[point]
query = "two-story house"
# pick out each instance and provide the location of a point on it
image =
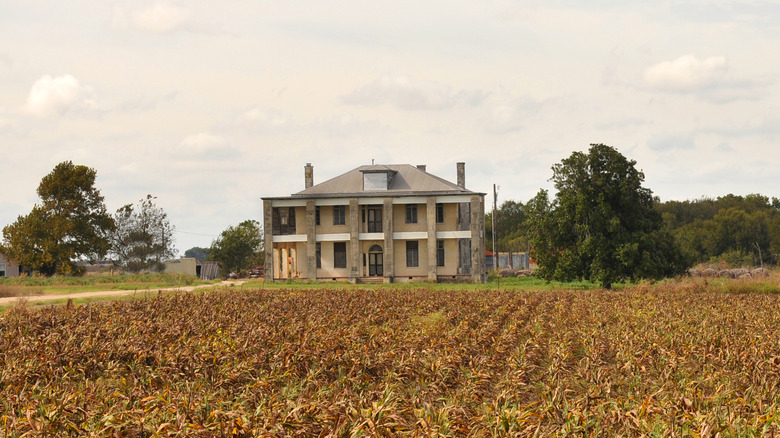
(377, 223)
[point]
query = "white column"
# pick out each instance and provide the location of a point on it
(285, 264)
(276, 263)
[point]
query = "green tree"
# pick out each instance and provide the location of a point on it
(732, 228)
(238, 248)
(143, 236)
(69, 224)
(511, 233)
(602, 225)
(197, 252)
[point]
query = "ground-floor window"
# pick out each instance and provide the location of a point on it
(2, 269)
(318, 248)
(412, 254)
(439, 253)
(339, 254)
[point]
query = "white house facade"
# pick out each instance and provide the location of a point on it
(377, 223)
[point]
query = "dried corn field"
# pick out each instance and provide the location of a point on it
(668, 360)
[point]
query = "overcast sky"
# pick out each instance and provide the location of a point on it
(212, 105)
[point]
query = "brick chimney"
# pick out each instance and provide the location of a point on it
(308, 175)
(461, 175)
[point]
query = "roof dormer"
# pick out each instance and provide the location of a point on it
(377, 178)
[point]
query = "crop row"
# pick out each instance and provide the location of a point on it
(667, 360)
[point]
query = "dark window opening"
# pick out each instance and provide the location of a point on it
(374, 219)
(411, 213)
(439, 213)
(412, 254)
(283, 221)
(339, 254)
(319, 255)
(339, 215)
(317, 215)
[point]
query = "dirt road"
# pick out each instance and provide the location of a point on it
(40, 299)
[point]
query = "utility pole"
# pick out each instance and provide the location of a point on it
(495, 225)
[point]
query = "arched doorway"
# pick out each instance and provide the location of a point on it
(375, 261)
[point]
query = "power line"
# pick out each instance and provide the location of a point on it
(194, 234)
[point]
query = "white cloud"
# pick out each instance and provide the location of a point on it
(53, 96)
(271, 117)
(410, 94)
(159, 17)
(687, 73)
(203, 141)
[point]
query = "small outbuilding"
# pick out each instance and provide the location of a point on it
(8, 268)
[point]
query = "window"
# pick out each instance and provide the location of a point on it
(339, 254)
(374, 219)
(412, 254)
(439, 213)
(375, 181)
(319, 255)
(411, 213)
(439, 253)
(276, 222)
(291, 224)
(2, 270)
(339, 215)
(283, 221)
(317, 215)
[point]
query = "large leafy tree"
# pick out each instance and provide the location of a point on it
(143, 236)
(238, 248)
(69, 224)
(602, 225)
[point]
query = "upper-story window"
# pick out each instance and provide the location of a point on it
(411, 213)
(439, 213)
(374, 213)
(317, 215)
(339, 215)
(283, 220)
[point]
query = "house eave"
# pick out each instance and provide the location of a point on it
(375, 194)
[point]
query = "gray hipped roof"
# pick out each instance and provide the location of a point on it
(407, 180)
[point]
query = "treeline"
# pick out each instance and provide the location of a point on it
(737, 230)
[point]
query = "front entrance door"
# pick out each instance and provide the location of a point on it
(375, 261)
